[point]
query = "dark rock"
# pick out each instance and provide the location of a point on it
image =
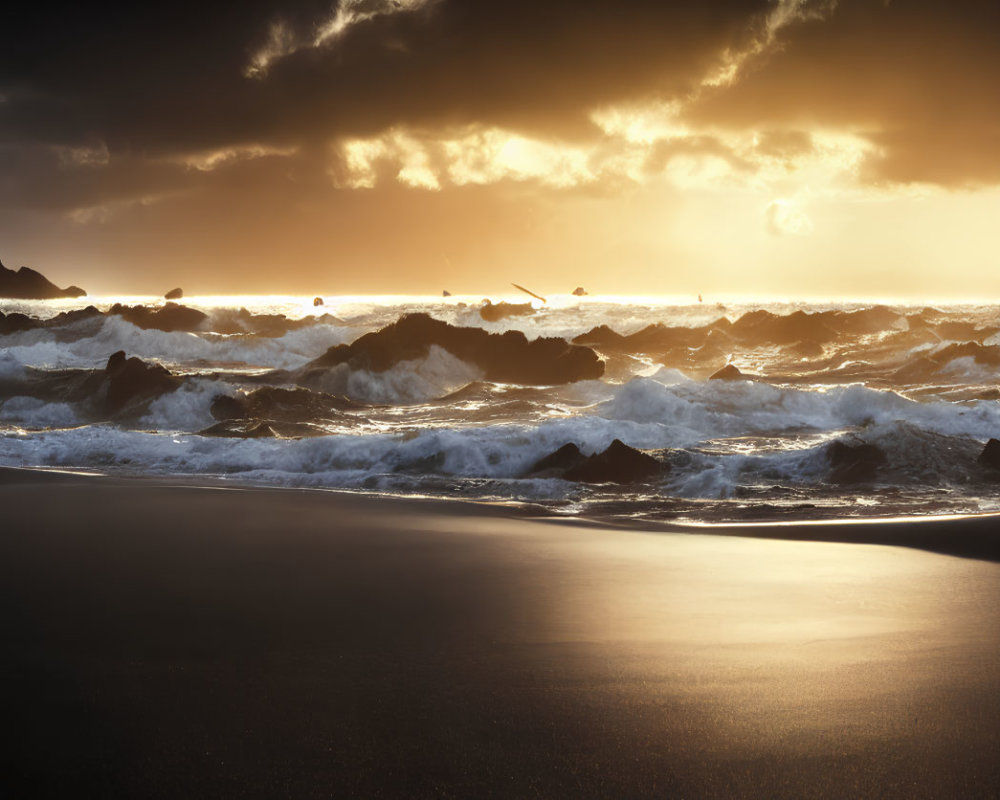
(171, 317)
(174, 294)
(27, 284)
(492, 312)
(116, 362)
(317, 301)
(74, 316)
(579, 291)
(603, 337)
(504, 358)
(446, 293)
(14, 323)
(727, 373)
(990, 457)
(225, 407)
(557, 463)
(853, 463)
(618, 464)
(131, 379)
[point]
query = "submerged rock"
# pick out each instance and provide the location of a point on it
(174, 294)
(854, 463)
(504, 358)
(27, 284)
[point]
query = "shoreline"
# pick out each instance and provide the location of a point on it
(973, 535)
(174, 640)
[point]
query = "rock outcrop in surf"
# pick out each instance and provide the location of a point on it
(618, 463)
(243, 321)
(990, 457)
(494, 312)
(754, 328)
(170, 317)
(727, 373)
(858, 463)
(16, 322)
(27, 284)
(558, 462)
(504, 358)
(130, 380)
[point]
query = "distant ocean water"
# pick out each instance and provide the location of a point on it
(911, 392)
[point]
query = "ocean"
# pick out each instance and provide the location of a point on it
(838, 410)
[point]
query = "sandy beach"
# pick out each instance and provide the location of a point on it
(172, 640)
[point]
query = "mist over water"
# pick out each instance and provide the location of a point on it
(918, 385)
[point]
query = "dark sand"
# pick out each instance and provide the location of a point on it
(176, 641)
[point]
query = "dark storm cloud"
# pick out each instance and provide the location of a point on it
(170, 77)
(151, 83)
(917, 78)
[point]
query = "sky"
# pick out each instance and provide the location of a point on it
(782, 148)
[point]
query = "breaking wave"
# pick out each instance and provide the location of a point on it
(836, 410)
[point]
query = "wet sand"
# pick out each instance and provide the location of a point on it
(179, 641)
